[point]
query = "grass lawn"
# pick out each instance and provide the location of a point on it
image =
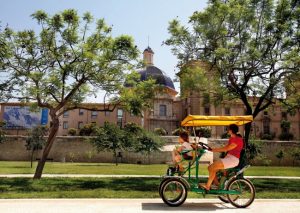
(20, 167)
(122, 188)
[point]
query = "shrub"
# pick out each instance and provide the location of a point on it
(160, 131)
(286, 136)
(225, 135)
(132, 128)
(177, 132)
(264, 160)
(295, 153)
(267, 136)
(280, 155)
(88, 129)
(253, 149)
(72, 131)
(203, 132)
(2, 133)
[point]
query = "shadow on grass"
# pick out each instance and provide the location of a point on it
(121, 185)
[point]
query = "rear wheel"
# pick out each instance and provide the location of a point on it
(174, 192)
(162, 183)
(223, 198)
(246, 193)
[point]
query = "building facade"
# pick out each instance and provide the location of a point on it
(167, 112)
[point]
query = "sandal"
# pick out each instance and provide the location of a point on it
(203, 186)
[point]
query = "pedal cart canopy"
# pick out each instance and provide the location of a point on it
(201, 120)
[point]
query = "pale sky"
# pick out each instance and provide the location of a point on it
(138, 18)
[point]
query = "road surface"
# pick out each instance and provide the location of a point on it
(140, 205)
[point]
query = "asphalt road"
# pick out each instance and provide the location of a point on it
(139, 205)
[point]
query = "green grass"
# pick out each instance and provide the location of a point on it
(122, 188)
(8, 167)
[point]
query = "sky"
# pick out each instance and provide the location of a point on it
(141, 19)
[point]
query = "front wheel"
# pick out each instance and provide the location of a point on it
(223, 198)
(246, 192)
(173, 192)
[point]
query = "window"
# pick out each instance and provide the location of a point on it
(66, 114)
(266, 113)
(80, 124)
(266, 126)
(107, 113)
(227, 111)
(119, 117)
(65, 125)
(81, 111)
(162, 110)
(206, 110)
(94, 114)
(284, 115)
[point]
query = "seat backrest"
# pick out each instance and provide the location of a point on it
(243, 159)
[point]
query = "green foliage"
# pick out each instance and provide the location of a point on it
(225, 135)
(36, 138)
(2, 133)
(250, 48)
(264, 160)
(203, 132)
(131, 138)
(160, 131)
(72, 131)
(110, 138)
(295, 153)
(132, 128)
(280, 155)
(267, 136)
(148, 142)
(253, 149)
(68, 60)
(286, 136)
(179, 130)
(88, 129)
(285, 125)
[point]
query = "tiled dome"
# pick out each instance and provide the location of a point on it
(157, 74)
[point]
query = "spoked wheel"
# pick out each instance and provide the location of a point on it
(223, 198)
(246, 190)
(174, 192)
(162, 183)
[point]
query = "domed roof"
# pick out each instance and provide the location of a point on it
(157, 74)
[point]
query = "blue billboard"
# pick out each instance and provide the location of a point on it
(23, 117)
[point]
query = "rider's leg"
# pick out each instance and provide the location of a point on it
(178, 162)
(212, 169)
(174, 153)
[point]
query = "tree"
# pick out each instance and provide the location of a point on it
(110, 138)
(148, 142)
(36, 140)
(250, 45)
(64, 63)
(292, 85)
(280, 155)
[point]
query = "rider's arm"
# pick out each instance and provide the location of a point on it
(225, 148)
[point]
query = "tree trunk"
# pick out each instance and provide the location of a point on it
(116, 158)
(31, 158)
(50, 140)
(247, 133)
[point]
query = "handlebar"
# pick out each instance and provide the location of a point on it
(205, 146)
